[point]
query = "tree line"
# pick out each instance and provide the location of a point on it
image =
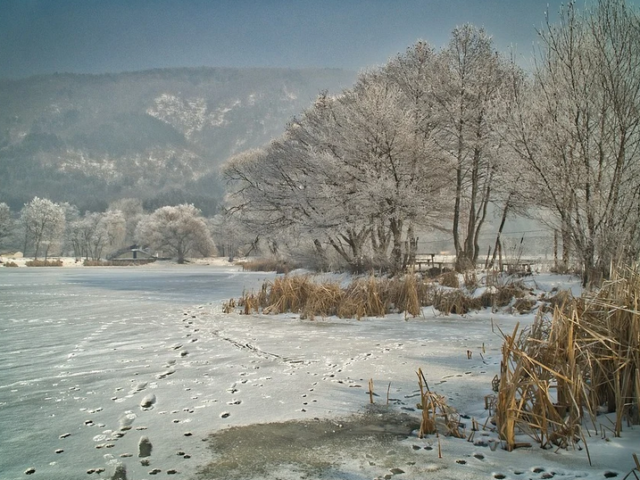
(435, 139)
(44, 228)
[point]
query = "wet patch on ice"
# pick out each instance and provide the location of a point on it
(306, 447)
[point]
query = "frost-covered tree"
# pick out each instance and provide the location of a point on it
(96, 232)
(178, 231)
(388, 154)
(410, 145)
(230, 235)
(6, 222)
(348, 173)
(78, 231)
(132, 210)
(468, 90)
(44, 225)
(578, 130)
(415, 73)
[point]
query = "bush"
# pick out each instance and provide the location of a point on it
(44, 263)
(268, 265)
(11, 264)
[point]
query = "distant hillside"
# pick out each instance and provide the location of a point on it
(159, 135)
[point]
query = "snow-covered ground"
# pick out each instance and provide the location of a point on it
(94, 359)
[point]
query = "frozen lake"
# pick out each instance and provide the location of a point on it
(72, 337)
(94, 360)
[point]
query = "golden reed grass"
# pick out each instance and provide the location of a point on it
(365, 297)
(582, 359)
(44, 263)
(436, 414)
(370, 297)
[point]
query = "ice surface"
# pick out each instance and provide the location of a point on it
(94, 359)
(82, 348)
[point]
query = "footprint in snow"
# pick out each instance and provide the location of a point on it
(148, 401)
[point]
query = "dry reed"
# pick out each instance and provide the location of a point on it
(44, 263)
(367, 297)
(371, 297)
(583, 359)
(449, 279)
(471, 280)
(436, 414)
(500, 294)
(267, 265)
(455, 302)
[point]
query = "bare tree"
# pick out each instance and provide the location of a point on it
(178, 231)
(578, 129)
(468, 90)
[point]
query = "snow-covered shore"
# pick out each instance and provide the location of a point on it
(95, 359)
(21, 261)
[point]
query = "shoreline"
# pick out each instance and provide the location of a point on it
(71, 262)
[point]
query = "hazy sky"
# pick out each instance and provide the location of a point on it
(95, 36)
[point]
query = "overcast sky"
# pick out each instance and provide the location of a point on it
(96, 36)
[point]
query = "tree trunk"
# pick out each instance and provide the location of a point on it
(503, 220)
(322, 255)
(555, 250)
(380, 240)
(396, 252)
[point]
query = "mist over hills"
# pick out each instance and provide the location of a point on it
(158, 135)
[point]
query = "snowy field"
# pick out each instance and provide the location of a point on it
(94, 359)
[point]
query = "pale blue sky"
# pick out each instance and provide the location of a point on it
(95, 36)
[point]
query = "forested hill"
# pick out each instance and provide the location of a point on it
(159, 135)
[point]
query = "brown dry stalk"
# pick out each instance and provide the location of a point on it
(369, 297)
(584, 357)
(434, 407)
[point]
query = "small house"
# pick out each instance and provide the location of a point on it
(132, 254)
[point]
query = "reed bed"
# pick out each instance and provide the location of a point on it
(449, 279)
(365, 297)
(455, 302)
(117, 263)
(582, 360)
(372, 297)
(499, 295)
